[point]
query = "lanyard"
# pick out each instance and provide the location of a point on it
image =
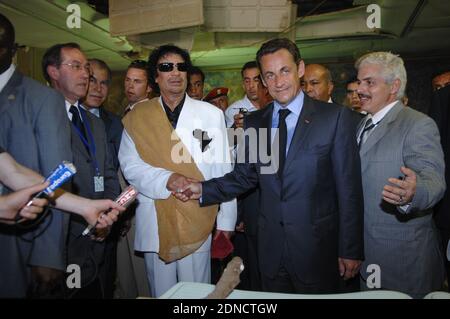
(90, 144)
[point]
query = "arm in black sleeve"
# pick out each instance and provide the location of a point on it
(229, 186)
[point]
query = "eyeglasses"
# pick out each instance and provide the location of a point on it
(76, 66)
(168, 67)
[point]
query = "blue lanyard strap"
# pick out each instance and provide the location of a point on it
(90, 144)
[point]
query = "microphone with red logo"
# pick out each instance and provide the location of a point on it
(124, 199)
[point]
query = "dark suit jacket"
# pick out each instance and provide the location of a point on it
(82, 250)
(440, 113)
(34, 129)
(248, 210)
(318, 212)
(114, 128)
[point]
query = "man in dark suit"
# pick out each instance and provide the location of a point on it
(67, 69)
(99, 82)
(35, 131)
(310, 226)
(440, 112)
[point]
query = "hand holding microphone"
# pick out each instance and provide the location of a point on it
(124, 200)
(59, 176)
(14, 204)
(56, 179)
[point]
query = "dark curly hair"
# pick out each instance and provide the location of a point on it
(157, 54)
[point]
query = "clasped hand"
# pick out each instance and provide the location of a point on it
(184, 188)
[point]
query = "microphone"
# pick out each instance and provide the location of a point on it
(124, 199)
(61, 174)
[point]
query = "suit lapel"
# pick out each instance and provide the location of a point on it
(381, 129)
(266, 124)
(302, 128)
(9, 93)
(77, 143)
(105, 118)
(185, 127)
(190, 119)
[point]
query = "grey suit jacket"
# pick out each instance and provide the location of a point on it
(83, 251)
(34, 129)
(404, 245)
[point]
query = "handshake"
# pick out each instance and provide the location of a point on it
(184, 188)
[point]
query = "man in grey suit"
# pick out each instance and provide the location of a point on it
(65, 66)
(35, 131)
(402, 167)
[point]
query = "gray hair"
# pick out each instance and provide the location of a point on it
(392, 67)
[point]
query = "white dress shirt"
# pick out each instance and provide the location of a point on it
(68, 105)
(6, 76)
(233, 109)
(93, 110)
(376, 118)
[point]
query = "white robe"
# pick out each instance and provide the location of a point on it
(151, 181)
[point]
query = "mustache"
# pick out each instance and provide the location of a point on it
(363, 95)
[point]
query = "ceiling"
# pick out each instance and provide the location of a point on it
(304, 6)
(325, 31)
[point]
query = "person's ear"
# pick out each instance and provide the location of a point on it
(330, 88)
(300, 69)
(14, 49)
(395, 86)
(53, 72)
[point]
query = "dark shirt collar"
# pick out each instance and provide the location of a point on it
(173, 116)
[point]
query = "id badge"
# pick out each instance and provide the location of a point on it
(99, 185)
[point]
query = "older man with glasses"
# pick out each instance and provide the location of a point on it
(163, 138)
(68, 71)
